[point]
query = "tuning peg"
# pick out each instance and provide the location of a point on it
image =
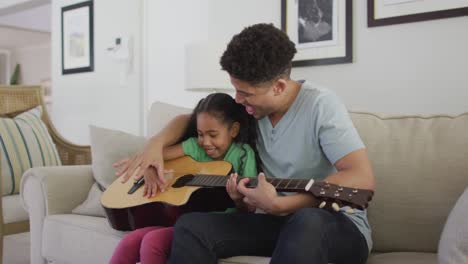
(322, 204)
(336, 207)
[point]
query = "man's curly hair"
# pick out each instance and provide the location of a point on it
(258, 54)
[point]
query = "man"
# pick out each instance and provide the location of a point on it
(305, 133)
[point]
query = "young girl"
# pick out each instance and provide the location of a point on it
(219, 129)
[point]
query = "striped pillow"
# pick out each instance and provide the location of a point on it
(24, 143)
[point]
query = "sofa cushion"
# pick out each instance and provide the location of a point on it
(245, 260)
(453, 245)
(420, 165)
(109, 146)
(403, 258)
(13, 211)
(92, 205)
(24, 143)
(78, 239)
(161, 113)
(386, 258)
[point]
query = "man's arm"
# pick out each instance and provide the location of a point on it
(354, 170)
(173, 152)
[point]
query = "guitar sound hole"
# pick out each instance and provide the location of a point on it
(182, 181)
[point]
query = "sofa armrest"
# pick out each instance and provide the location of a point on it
(57, 190)
(52, 190)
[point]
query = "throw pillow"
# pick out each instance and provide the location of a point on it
(25, 142)
(109, 146)
(92, 205)
(453, 244)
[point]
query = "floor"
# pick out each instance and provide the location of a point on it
(16, 249)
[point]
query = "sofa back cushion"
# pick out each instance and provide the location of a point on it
(25, 143)
(109, 146)
(421, 168)
(161, 113)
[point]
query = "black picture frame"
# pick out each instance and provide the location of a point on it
(345, 35)
(372, 21)
(77, 38)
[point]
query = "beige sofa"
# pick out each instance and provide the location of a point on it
(419, 163)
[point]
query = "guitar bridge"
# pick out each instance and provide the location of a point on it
(136, 185)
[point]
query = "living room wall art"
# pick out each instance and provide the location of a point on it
(389, 12)
(77, 38)
(321, 29)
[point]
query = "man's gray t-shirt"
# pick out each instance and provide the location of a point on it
(313, 134)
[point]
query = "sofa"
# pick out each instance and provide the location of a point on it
(420, 164)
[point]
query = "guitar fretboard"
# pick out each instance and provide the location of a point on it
(282, 185)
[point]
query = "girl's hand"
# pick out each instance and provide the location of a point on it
(152, 182)
(231, 188)
(236, 196)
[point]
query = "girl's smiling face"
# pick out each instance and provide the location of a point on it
(214, 136)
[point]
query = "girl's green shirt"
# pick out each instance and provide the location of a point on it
(241, 156)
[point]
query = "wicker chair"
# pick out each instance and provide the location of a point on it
(15, 100)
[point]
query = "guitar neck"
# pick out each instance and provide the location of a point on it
(281, 185)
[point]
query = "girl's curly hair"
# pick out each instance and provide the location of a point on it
(258, 54)
(223, 107)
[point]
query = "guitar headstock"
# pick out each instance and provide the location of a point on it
(343, 196)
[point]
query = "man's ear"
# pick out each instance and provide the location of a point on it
(235, 129)
(279, 86)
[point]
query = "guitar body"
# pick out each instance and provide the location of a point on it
(131, 211)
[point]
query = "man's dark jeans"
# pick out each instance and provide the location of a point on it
(310, 235)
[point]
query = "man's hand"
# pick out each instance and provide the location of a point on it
(264, 196)
(137, 166)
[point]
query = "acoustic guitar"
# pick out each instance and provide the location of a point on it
(200, 186)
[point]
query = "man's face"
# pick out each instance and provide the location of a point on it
(258, 101)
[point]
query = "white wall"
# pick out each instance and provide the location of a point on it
(98, 97)
(419, 68)
(173, 24)
(169, 26)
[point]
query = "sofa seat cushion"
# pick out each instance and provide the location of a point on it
(83, 239)
(245, 260)
(403, 258)
(13, 210)
(383, 258)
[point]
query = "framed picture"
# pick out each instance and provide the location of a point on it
(389, 12)
(77, 38)
(321, 29)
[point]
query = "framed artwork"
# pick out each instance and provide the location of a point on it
(389, 12)
(77, 38)
(321, 29)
